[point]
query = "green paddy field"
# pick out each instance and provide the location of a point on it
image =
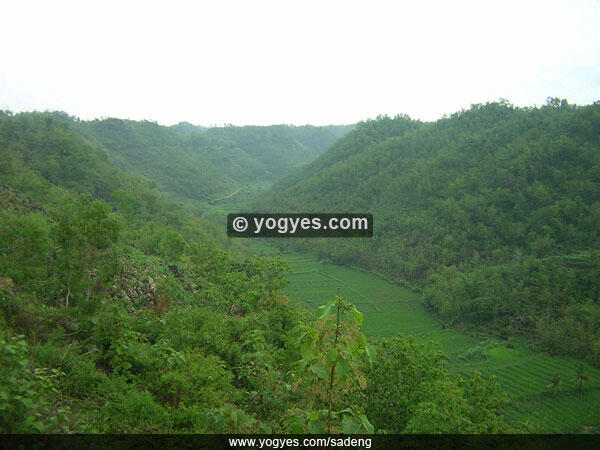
(524, 372)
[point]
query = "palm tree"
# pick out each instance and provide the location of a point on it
(581, 377)
(555, 383)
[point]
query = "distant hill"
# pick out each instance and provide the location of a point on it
(489, 208)
(186, 129)
(280, 148)
(206, 163)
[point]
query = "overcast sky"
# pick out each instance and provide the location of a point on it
(317, 62)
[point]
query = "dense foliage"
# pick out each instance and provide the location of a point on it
(280, 148)
(205, 163)
(411, 391)
(495, 210)
(122, 312)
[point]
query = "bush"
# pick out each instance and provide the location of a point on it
(28, 397)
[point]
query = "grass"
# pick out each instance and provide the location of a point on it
(523, 372)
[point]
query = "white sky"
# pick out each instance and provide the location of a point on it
(318, 62)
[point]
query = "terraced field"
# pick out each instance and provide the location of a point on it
(523, 372)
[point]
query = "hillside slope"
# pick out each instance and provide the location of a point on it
(496, 209)
(121, 312)
(280, 148)
(203, 164)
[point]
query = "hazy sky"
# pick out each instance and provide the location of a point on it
(318, 62)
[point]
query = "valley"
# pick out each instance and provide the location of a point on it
(478, 291)
(523, 371)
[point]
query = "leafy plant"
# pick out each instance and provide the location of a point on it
(330, 371)
(28, 397)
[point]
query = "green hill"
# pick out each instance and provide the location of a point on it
(203, 164)
(487, 209)
(280, 148)
(121, 312)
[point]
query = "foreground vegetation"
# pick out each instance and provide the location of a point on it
(123, 312)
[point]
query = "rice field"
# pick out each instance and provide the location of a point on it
(523, 372)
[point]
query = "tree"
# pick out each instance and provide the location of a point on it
(555, 383)
(85, 235)
(581, 377)
(24, 247)
(410, 391)
(329, 376)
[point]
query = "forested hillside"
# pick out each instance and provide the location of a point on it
(495, 211)
(202, 164)
(281, 148)
(122, 312)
